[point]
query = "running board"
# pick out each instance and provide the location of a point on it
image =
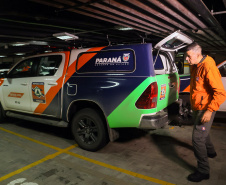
(46, 121)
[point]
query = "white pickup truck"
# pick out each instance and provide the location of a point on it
(93, 91)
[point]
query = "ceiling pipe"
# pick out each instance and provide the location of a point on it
(157, 13)
(147, 19)
(118, 21)
(169, 11)
(120, 16)
(204, 12)
(177, 5)
(44, 2)
(78, 5)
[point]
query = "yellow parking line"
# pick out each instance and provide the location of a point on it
(120, 169)
(48, 157)
(30, 139)
(60, 151)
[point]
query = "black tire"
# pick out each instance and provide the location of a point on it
(89, 130)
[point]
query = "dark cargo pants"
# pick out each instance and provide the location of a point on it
(201, 141)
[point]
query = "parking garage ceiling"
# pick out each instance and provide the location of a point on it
(104, 22)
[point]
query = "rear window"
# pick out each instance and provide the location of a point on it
(109, 61)
(158, 63)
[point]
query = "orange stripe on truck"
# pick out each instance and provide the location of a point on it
(187, 89)
(70, 71)
(83, 59)
(55, 89)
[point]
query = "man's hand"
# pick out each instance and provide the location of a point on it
(206, 117)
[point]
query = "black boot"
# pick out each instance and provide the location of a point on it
(212, 155)
(198, 176)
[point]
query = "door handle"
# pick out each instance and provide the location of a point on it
(25, 84)
(52, 83)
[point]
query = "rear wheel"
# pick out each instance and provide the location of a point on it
(89, 130)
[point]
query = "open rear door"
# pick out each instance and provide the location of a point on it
(174, 42)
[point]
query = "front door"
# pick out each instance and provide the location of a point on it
(15, 89)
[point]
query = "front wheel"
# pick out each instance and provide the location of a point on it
(89, 130)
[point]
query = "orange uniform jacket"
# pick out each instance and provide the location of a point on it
(206, 88)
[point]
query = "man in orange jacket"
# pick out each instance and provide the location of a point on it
(206, 94)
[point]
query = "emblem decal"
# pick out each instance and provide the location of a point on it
(163, 92)
(120, 60)
(38, 93)
(15, 95)
(126, 57)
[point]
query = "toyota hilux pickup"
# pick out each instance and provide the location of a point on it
(93, 91)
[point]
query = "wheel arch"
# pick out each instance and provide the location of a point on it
(78, 105)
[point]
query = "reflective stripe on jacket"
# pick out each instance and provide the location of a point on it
(206, 88)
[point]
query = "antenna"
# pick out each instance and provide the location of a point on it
(143, 38)
(109, 42)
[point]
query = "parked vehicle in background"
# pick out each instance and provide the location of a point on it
(93, 91)
(185, 92)
(4, 67)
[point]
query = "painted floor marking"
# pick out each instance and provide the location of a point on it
(48, 157)
(66, 150)
(30, 139)
(120, 169)
(21, 180)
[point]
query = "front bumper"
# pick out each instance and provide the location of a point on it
(154, 121)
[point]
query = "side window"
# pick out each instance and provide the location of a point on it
(48, 65)
(23, 69)
(163, 65)
(222, 70)
(170, 66)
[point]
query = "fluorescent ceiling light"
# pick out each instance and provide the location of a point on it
(122, 28)
(125, 29)
(38, 43)
(19, 53)
(19, 44)
(2, 56)
(65, 36)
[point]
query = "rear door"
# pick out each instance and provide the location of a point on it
(45, 86)
(174, 42)
(167, 80)
(165, 67)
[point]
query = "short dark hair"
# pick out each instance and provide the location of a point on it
(194, 46)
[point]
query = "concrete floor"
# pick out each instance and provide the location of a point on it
(34, 154)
